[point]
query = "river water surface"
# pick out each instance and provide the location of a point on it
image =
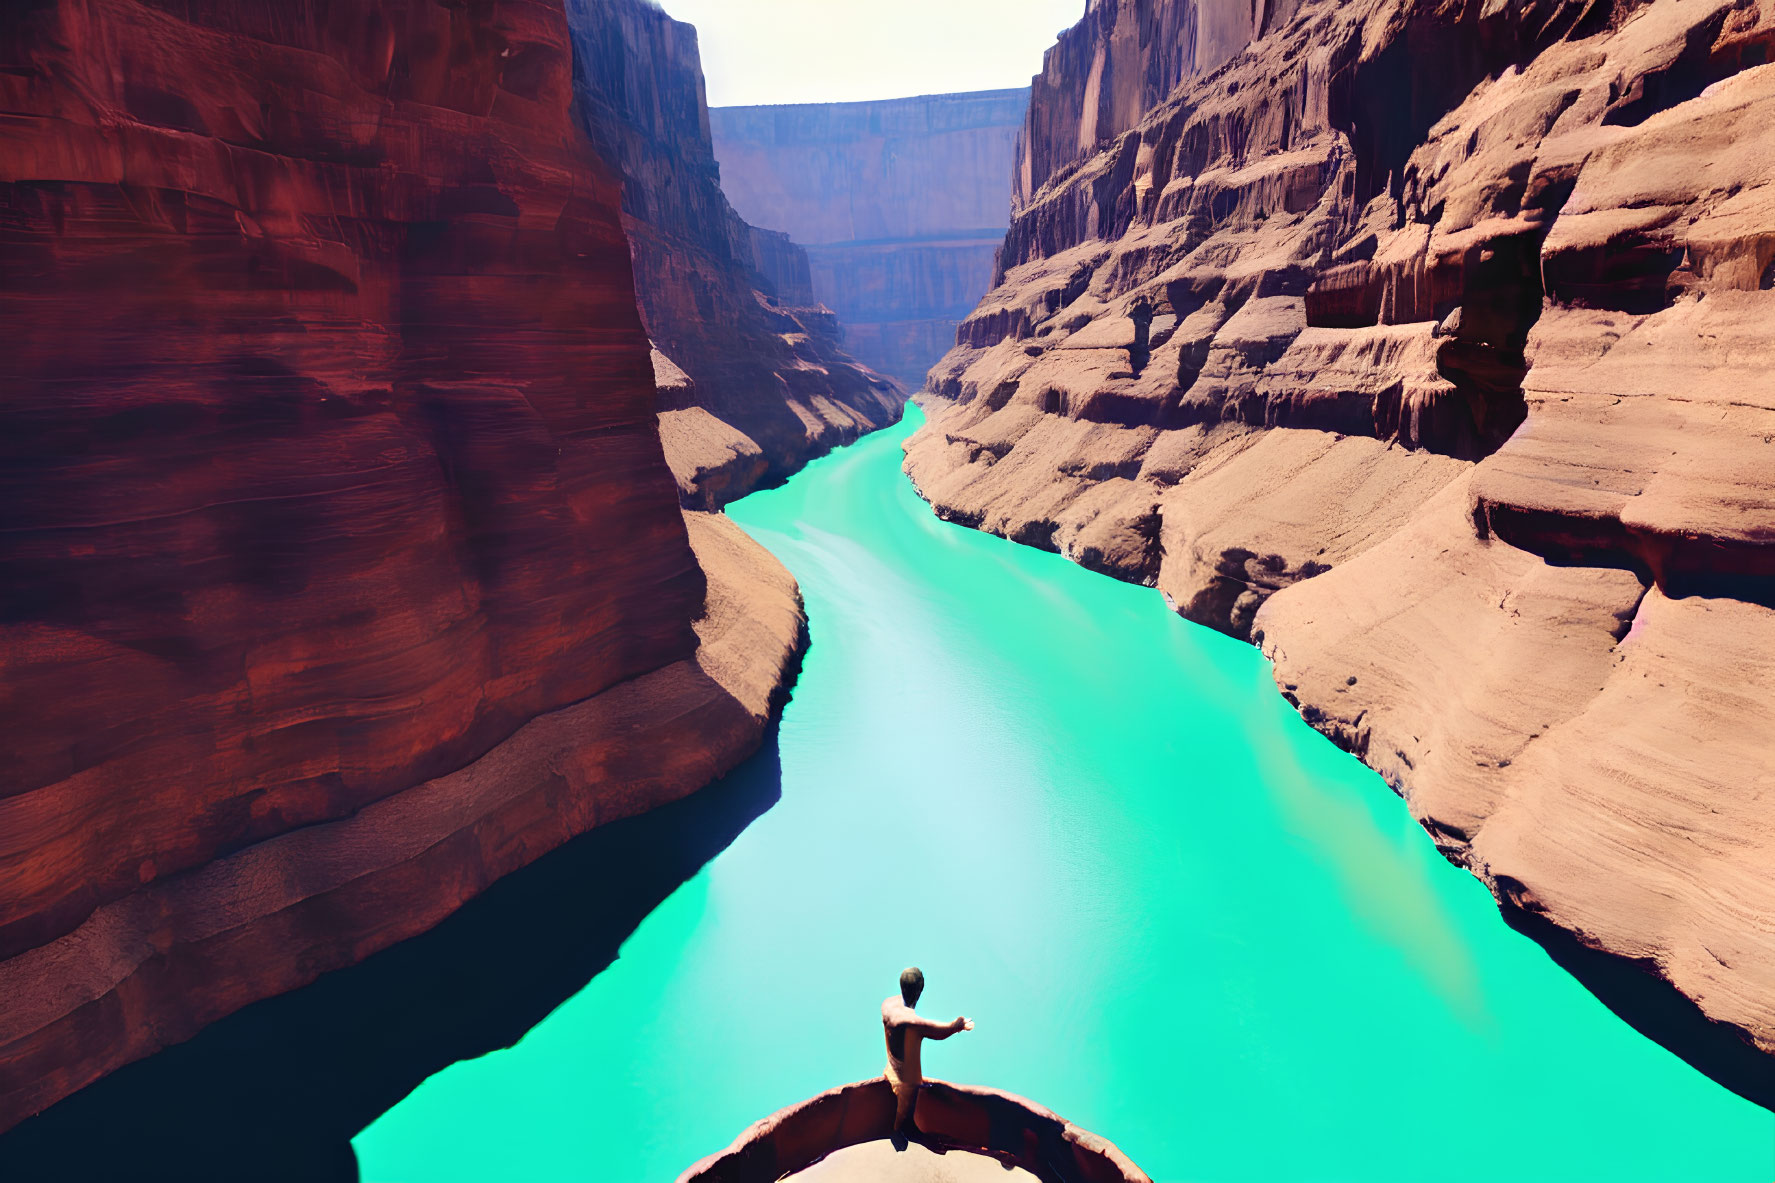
(1180, 917)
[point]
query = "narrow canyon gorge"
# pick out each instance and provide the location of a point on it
(1423, 343)
(753, 379)
(378, 658)
(900, 205)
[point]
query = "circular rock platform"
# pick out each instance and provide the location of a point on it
(968, 1134)
(888, 1160)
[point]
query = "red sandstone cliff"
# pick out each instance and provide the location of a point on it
(900, 204)
(1455, 399)
(340, 569)
(759, 383)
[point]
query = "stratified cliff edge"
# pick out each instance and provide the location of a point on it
(901, 205)
(754, 382)
(341, 572)
(1425, 343)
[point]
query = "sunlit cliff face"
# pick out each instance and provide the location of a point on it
(1450, 405)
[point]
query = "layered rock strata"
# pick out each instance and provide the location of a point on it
(901, 205)
(1121, 60)
(731, 307)
(342, 569)
(1422, 343)
(277, 1090)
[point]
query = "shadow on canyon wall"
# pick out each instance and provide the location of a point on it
(276, 1091)
(1653, 1007)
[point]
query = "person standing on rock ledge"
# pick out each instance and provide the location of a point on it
(906, 1030)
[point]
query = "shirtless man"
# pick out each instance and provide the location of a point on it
(905, 1031)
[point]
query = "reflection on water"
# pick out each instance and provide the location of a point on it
(1180, 916)
(1372, 849)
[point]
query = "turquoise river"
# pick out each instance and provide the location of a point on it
(1179, 916)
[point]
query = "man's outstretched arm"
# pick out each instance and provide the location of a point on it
(932, 1030)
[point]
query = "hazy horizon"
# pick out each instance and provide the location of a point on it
(832, 51)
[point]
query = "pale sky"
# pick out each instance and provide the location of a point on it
(814, 51)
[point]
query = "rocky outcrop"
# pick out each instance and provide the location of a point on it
(342, 570)
(1014, 1138)
(1121, 60)
(1421, 344)
(730, 306)
(900, 204)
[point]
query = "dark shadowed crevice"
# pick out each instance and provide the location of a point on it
(1680, 566)
(1485, 302)
(1693, 71)
(1388, 104)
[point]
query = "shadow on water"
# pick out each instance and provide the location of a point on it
(1654, 1008)
(277, 1090)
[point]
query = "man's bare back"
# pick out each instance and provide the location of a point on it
(906, 1030)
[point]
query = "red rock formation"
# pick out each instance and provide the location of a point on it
(901, 205)
(340, 569)
(1456, 353)
(770, 375)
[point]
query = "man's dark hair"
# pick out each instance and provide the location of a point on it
(911, 985)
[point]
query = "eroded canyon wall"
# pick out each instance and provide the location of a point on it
(900, 204)
(755, 381)
(341, 571)
(1121, 60)
(1424, 343)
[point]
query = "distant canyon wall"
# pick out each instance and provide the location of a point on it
(1424, 343)
(753, 379)
(900, 204)
(341, 570)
